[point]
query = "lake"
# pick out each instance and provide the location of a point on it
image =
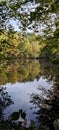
(29, 94)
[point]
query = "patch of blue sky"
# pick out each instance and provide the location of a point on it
(16, 24)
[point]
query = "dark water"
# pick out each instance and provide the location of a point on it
(29, 94)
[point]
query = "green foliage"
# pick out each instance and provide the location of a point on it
(16, 45)
(55, 61)
(42, 13)
(56, 124)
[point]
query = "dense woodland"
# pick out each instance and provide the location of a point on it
(20, 44)
(29, 32)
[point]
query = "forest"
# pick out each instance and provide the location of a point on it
(29, 64)
(42, 43)
(18, 45)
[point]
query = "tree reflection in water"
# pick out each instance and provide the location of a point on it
(27, 70)
(48, 109)
(5, 100)
(17, 120)
(48, 105)
(47, 114)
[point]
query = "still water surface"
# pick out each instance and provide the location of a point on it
(29, 84)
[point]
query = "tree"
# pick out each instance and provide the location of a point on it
(39, 13)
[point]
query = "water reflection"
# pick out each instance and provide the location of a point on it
(19, 71)
(34, 90)
(48, 108)
(5, 101)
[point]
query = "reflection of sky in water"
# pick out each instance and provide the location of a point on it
(21, 95)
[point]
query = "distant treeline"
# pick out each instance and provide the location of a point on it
(19, 45)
